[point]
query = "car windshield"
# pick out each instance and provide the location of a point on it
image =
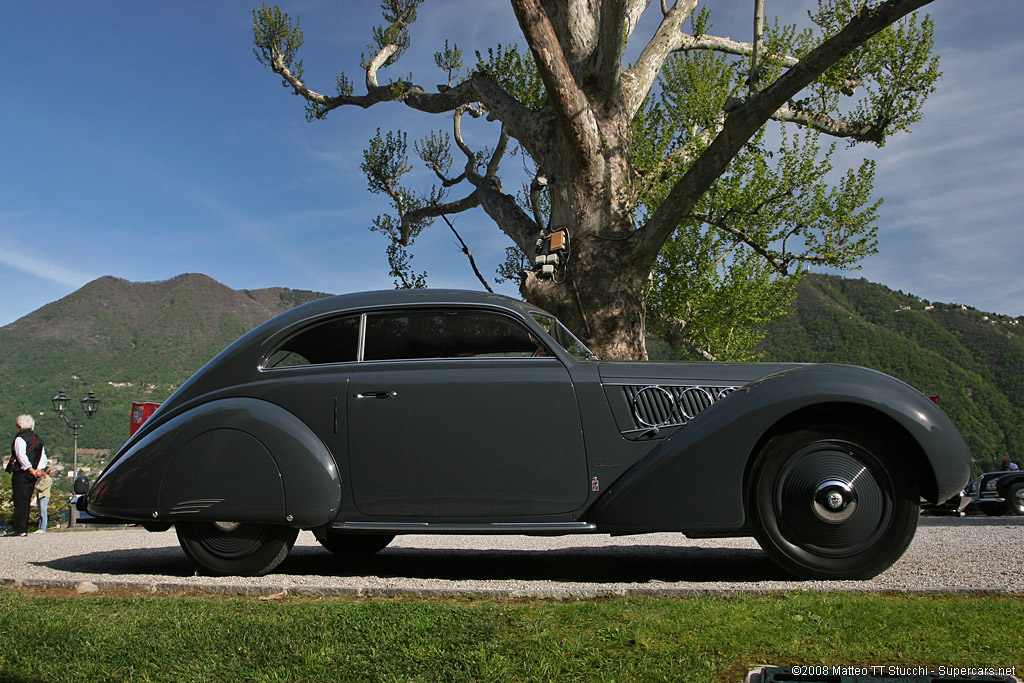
(561, 334)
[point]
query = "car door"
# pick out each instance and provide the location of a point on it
(307, 375)
(461, 414)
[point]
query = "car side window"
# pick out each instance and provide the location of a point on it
(333, 341)
(446, 334)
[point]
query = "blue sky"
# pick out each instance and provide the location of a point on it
(143, 140)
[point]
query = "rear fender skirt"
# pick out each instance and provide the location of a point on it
(234, 459)
(695, 480)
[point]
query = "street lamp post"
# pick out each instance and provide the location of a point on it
(89, 404)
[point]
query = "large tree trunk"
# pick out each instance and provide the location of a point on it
(600, 293)
(604, 301)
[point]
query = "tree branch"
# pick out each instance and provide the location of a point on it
(780, 262)
(376, 63)
(863, 132)
(634, 10)
(677, 334)
(639, 79)
(502, 208)
(569, 102)
(468, 253)
(608, 56)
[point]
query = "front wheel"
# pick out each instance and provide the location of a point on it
(1015, 499)
(235, 548)
(832, 502)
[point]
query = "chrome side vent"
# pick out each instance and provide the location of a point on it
(660, 405)
(192, 507)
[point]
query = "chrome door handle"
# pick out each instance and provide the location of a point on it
(377, 394)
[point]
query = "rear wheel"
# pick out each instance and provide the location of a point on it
(235, 548)
(832, 502)
(354, 545)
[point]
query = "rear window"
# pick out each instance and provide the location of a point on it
(333, 341)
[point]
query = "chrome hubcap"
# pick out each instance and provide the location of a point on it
(834, 501)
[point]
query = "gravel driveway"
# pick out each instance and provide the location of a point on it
(948, 555)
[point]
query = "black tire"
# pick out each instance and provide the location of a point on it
(354, 545)
(235, 549)
(1015, 499)
(993, 509)
(832, 502)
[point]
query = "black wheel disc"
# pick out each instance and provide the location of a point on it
(235, 548)
(232, 540)
(829, 500)
(832, 502)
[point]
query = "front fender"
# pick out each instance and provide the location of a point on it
(696, 480)
(234, 459)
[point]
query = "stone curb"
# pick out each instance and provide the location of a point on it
(240, 590)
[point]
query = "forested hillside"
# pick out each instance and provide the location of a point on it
(126, 341)
(139, 341)
(973, 360)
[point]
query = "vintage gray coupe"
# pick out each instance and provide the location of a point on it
(368, 415)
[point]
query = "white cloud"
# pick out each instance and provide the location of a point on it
(41, 267)
(28, 261)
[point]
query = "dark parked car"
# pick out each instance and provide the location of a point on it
(368, 415)
(997, 493)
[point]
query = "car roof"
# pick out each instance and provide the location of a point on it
(390, 298)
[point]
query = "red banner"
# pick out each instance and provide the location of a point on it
(141, 413)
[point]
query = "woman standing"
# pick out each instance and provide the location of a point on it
(28, 457)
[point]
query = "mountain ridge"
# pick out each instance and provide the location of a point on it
(131, 341)
(974, 361)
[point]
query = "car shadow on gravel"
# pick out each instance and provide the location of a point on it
(632, 564)
(169, 561)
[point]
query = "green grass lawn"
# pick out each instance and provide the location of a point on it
(174, 638)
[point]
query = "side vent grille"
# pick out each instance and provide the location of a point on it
(668, 405)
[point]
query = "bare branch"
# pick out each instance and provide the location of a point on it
(376, 63)
(640, 78)
(726, 45)
(634, 10)
(755, 61)
(502, 208)
(608, 60)
(468, 253)
(736, 48)
(499, 152)
(433, 210)
(864, 132)
(569, 102)
(471, 172)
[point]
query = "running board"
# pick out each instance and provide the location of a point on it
(523, 528)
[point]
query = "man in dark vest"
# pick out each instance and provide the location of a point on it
(29, 462)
